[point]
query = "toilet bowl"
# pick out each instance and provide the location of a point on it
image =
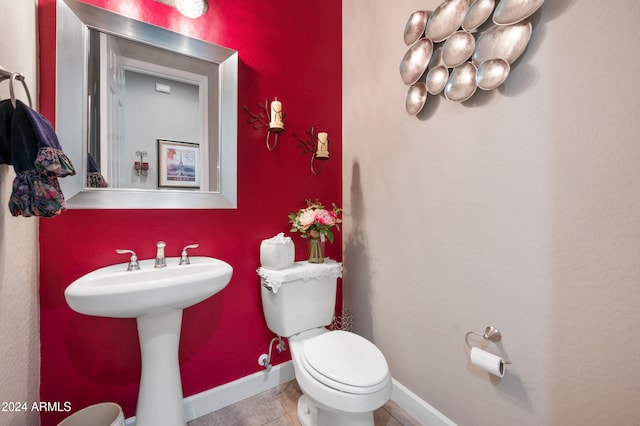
(343, 376)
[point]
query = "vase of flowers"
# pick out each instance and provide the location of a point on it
(315, 222)
(316, 249)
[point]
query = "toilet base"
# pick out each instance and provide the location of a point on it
(310, 415)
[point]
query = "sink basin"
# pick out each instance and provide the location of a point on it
(156, 298)
(114, 292)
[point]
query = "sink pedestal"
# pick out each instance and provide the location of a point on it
(156, 298)
(160, 396)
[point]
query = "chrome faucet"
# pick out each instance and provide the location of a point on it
(184, 257)
(160, 260)
(133, 262)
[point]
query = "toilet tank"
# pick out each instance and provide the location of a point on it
(301, 297)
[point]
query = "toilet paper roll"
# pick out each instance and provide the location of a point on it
(488, 362)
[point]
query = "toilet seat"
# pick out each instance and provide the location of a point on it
(346, 362)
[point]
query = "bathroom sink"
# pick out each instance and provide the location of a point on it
(156, 297)
(114, 292)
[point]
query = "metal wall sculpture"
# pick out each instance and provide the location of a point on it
(455, 49)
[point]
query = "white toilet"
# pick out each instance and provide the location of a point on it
(343, 376)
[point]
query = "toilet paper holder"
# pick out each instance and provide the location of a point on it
(490, 333)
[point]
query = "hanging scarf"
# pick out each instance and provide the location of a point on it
(37, 159)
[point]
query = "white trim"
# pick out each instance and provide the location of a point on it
(417, 408)
(222, 396)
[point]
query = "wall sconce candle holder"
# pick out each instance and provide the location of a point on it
(141, 167)
(317, 145)
(276, 123)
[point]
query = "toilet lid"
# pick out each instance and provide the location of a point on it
(345, 361)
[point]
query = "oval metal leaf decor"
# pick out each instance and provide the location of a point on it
(469, 50)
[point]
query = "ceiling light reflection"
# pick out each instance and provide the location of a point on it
(192, 8)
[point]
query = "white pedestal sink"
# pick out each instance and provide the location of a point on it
(156, 298)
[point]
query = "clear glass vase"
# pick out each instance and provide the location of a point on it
(316, 250)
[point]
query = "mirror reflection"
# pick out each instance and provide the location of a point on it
(159, 113)
(139, 96)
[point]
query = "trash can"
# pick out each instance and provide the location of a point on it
(103, 414)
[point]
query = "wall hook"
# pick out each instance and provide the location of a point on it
(12, 77)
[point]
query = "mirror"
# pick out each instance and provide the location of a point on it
(148, 116)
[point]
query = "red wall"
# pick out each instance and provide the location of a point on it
(289, 49)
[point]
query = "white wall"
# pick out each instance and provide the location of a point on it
(19, 338)
(518, 209)
(175, 116)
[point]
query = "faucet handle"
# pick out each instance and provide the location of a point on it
(133, 262)
(184, 257)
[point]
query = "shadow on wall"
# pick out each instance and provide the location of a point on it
(357, 282)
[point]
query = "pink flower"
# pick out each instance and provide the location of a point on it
(314, 220)
(324, 217)
(307, 218)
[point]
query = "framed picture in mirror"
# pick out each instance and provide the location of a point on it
(178, 164)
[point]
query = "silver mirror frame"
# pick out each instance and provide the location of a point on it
(74, 19)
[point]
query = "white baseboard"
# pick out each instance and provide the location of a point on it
(222, 396)
(417, 408)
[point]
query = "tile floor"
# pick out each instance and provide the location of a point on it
(277, 407)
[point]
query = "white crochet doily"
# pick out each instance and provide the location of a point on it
(304, 270)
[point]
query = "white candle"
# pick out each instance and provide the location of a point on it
(276, 115)
(323, 145)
